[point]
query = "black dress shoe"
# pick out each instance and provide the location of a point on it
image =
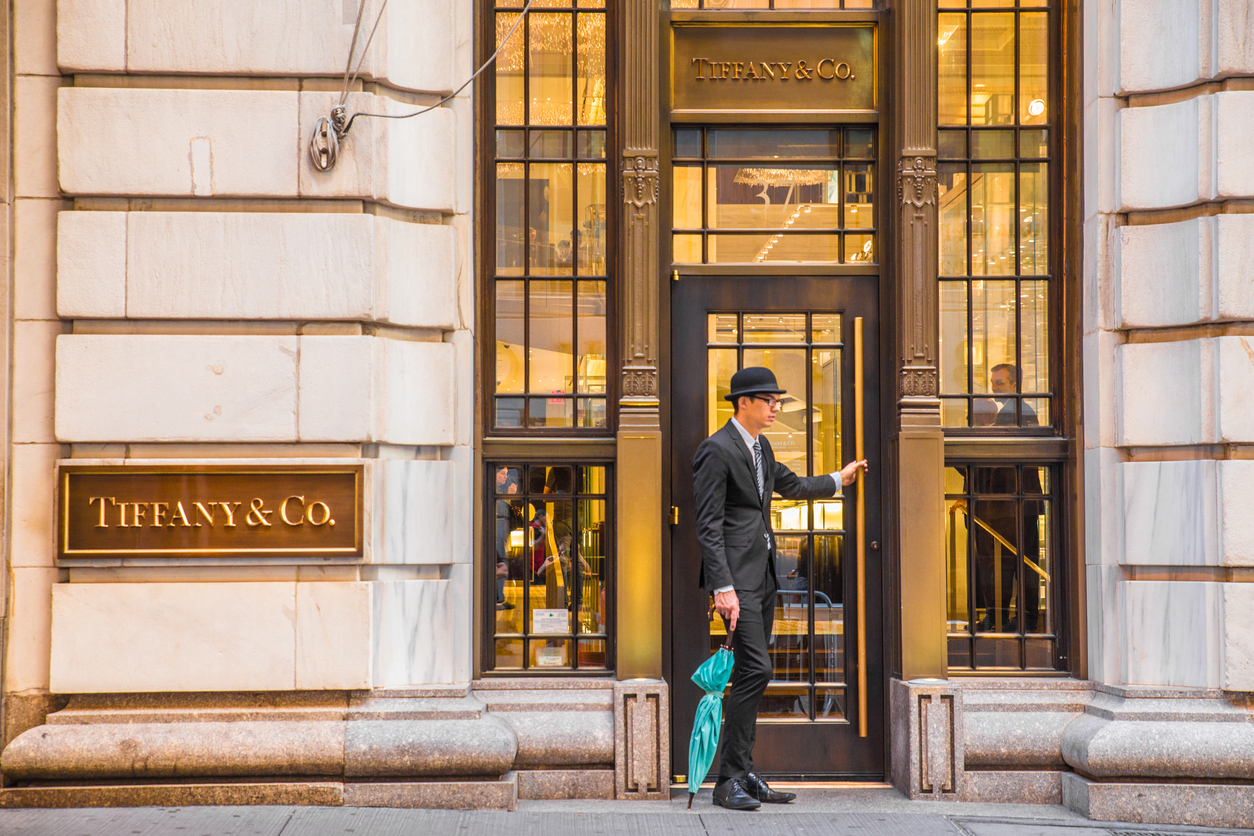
(731, 794)
(756, 787)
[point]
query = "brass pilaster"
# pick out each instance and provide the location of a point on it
(919, 445)
(639, 468)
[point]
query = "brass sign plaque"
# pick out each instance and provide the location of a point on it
(748, 68)
(207, 512)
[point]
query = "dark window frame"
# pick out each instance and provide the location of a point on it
(486, 161)
(487, 589)
(1055, 126)
(1058, 590)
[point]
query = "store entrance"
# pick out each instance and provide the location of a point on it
(816, 721)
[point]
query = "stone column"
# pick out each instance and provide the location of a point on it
(918, 449)
(639, 483)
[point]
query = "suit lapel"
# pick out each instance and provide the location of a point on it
(746, 455)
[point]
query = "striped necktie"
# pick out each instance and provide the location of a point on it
(757, 464)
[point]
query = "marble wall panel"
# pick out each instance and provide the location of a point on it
(1236, 499)
(1234, 253)
(91, 264)
(413, 508)
(1234, 388)
(377, 160)
(1103, 615)
(91, 34)
(412, 48)
(412, 633)
(1103, 501)
(178, 143)
(1234, 165)
(1164, 273)
(1159, 44)
(333, 641)
(28, 629)
(1170, 513)
(255, 265)
(175, 388)
(339, 388)
(1166, 393)
(1149, 135)
(1171, 633)
(249, 265)
(1235, 30)
(375, 389)
(125, 637)
(33, 501)
(1238, 637)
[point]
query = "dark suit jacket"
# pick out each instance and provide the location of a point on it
(733, 525)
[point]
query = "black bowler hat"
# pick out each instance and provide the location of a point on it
(754, 380)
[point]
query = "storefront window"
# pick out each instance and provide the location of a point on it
(551, 567)
(996, 267)
(1001, 565)
(774, 196)
(550, 259)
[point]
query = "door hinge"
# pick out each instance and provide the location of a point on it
(674, 515)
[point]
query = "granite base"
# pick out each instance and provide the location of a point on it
(1005, 786)
(1206, 805)
(436, 795)
(552, 784)
(322, 794)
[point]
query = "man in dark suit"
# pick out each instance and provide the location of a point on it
(734, 475)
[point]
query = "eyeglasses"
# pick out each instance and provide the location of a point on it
(773, 403)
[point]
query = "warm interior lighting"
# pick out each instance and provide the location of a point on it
(1036, 107)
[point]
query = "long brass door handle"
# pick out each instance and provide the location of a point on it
(860, 535)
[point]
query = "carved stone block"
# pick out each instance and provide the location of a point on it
(642, 756)
(927, 757)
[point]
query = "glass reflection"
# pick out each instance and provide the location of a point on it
(992, 219)
(509, 73)
(550, 74)
(992, 69)
(952, 89)
(551, 319)
(953, 219)
(590, 366)
(1034, 218)
(1033, 65)
(787, 184)
(591, 217)
(549, 233)
(591, 70)
(825, 411)
(953, 338)
(509, 337)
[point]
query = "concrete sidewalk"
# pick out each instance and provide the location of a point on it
(817, 812)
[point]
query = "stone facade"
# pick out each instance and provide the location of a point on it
(189, 289)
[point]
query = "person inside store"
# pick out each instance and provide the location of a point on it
(997, 520)
(507, 518)
(734, 477)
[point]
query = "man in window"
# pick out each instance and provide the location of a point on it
(734, 476)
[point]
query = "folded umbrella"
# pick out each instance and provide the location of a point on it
(711, 676)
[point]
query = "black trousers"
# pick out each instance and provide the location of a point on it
(749, 678)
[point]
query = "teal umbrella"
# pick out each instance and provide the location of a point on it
(712, 678)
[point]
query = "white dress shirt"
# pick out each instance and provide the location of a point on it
(749, 441)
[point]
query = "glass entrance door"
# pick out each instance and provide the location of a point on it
(802, 329)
